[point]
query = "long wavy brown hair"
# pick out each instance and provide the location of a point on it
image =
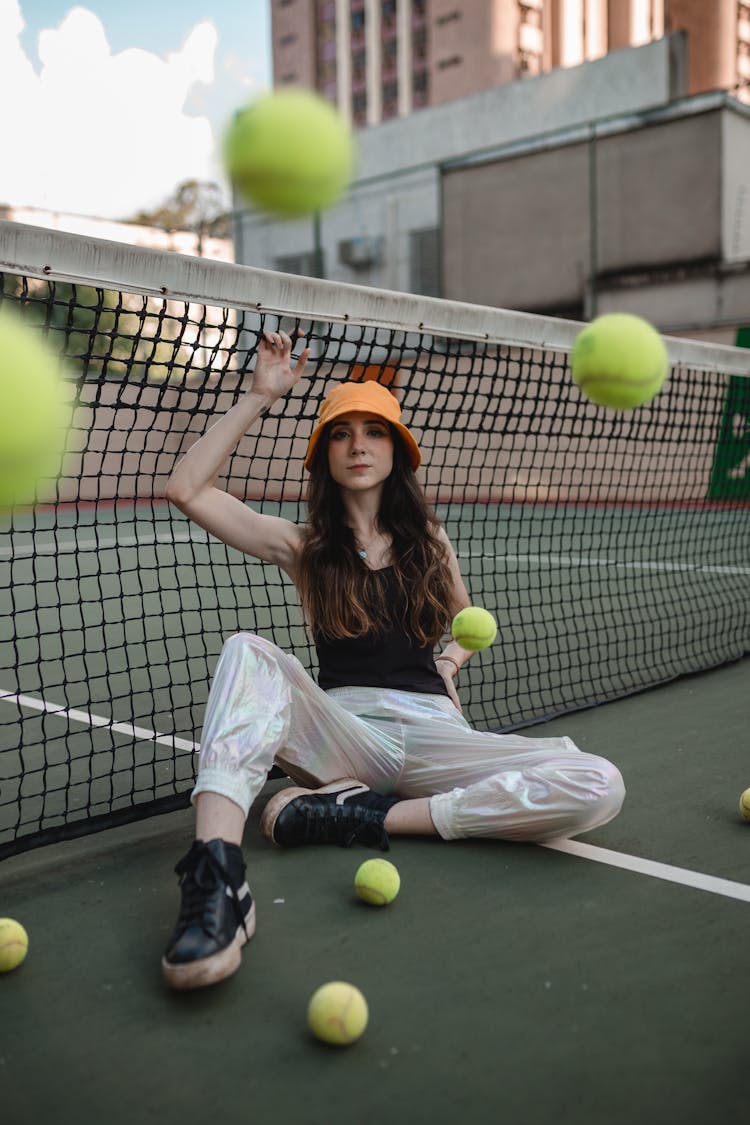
(341, 596)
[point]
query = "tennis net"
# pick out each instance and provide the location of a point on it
(612, 547)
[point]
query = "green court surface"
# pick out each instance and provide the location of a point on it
(507, 983)
(113, 617)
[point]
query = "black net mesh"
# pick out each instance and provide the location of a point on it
(613, 548)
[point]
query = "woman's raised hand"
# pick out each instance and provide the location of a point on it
(274, 375)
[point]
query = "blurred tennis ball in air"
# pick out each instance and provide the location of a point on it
(377, 882)
(474, 628)
(745, 804)
(35, 413)
(337, 1013)
(290, 153)
(619, 360)
(14, 944)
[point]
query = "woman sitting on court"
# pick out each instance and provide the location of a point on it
(379, 746)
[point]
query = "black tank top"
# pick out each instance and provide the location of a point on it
(390, 660)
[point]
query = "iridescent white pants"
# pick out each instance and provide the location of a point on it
(264, 709)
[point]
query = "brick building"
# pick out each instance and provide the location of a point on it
(378, 59)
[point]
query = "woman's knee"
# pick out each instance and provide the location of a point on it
(242, 640)
(245, 644)
(606, 796)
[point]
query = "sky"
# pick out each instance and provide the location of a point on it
(106, 106)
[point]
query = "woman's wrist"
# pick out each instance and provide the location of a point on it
(450, 660)
(266, 398)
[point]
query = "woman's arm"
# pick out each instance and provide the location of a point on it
(192, 485)
(453, 657)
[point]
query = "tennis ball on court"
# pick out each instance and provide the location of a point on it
(337, 1013)
(14, 944)
(619, 360)
(34, 412)
(377, 882)
(745, 804)
(474, 628)
(290, 153)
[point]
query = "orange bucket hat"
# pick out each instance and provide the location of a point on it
(367, 398)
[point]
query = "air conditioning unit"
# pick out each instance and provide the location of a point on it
(361, 253)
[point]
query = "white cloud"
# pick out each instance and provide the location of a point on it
(94, 132)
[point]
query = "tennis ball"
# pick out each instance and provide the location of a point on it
(745, 804)
(14, 944)
(474, 628)
(290, 153)
(619, 360)
(34, 412)
(377, 882)
(337, 1013)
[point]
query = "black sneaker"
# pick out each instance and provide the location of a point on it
(344, 812)
(216, 918)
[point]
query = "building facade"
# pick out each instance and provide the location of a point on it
(378, 59)
(586, 189)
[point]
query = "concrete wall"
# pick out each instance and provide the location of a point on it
(712, 59)
(710, 305)
(479, 50)
(659, 193)
(515, 234)
(736, 189)
(293, 38)
(670, 197)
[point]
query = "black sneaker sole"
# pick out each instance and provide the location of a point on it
(280, 800)
(210, 970)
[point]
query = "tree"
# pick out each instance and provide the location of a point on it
(195, 205)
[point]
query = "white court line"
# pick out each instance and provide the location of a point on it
(88, 719)
(71, 545)
(578, 848)
(650, 867)
(572, 561)
(575, 561)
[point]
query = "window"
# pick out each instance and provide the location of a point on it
(449, 17)
(302, 264)
(327, 72)
(358, 65)
(420, 86)
(390, 98)
(424, 258)
(529, 64)
(452, 60)
(531, 14)
(287, 40)
(359, 108)
(389, 54)
(743, 49)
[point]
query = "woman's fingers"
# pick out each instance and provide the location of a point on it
(281, 340)
(299, 366)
